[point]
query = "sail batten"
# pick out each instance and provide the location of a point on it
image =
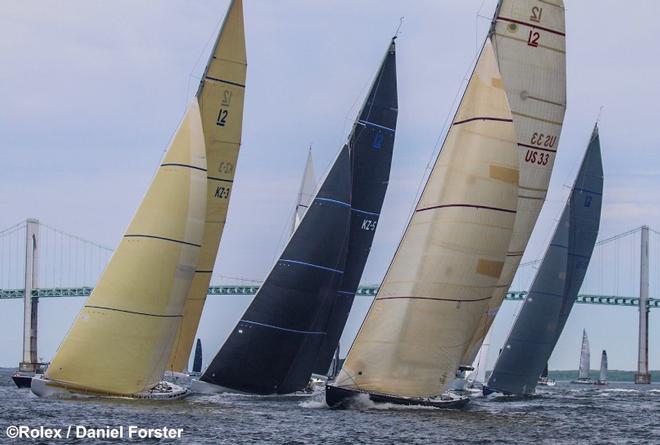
(221, 96)
(451, 254)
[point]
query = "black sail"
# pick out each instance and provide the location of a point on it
(274, 346)
(197, 360)
(370, 144)
(556, 285)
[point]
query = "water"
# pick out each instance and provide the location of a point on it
(566, 414)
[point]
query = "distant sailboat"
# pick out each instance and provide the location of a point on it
(293, 325)
(197, 359)
(558, 280)
(306, 192)
(585, 362)
(221, 95)
(121, 340)
(528, 38)
(602, 378)
(448, 262)
(544, 380)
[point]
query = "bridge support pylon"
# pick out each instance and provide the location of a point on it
(30, 305)
(643, 376)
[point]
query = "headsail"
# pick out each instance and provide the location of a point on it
(221, 94)
(529, 41)
(603, 368)
(120, 341)
(585, 357)
(478, 375)
(371, 144)
(306, 192)
(556, 284)
(450, 257)
(275, 344)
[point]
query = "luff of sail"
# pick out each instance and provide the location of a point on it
(274, 346)
(558, 280)
(371, 144)
(221, 95)
(585, 358)
(120, 341)
(450, 257)
(528, 37)
(306, 192)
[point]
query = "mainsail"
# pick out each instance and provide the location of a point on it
(306, 192)
(603, 368)
(556, 284)
(450, 257)
(529, 41)
(120, 341)
(371, 144)
(221, 94)
(197, 360)
(274, 346)
(585, 358)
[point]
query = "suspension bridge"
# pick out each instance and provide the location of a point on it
(42, 261)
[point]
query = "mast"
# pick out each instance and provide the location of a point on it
(221, 96)
(306, 192)
(274, 346)
(528, 38)
(121, 339)
(450, 256)
(557, 283)
(585, 357)
(371, 145)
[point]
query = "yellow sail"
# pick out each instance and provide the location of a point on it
(451, 255)
(120, 341)
(221, 95)
(528, 37)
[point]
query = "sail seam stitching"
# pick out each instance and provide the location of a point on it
(312, 265)
(483, 118)
(172, 164)
(334, 201)
(536, 148)
(219, 179)
(229, 82)
(133, 312)
(435, 299)
(162, 238)
(371, 124)
(467, 205)
(297, 331)
(531, 25)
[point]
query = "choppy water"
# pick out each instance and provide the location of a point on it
(566, 414)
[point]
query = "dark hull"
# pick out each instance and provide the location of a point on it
(340, 398)
(22, 380)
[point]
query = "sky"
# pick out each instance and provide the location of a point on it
(92, 91)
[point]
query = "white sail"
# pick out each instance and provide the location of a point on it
(451, 255)
(603, 368)
(528, 37)
(479, 364)
(306, 192)
(585, 357)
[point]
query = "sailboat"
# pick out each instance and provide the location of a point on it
(585, 362)
(120, 341)
(221, 96)
(478, 376)
(557, 282)
(294, 319)
(306, 192)
(448, 262)
(602, 378)
(544, 380)
(528, 38)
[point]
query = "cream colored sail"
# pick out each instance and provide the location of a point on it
(221, 95)
(120, 341)
(451, 255)
(529, 41)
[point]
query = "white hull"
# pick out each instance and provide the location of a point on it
(46, 388)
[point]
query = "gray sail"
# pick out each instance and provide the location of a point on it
(585, 357)
(197, 360)
(556, 285)
(603, 368)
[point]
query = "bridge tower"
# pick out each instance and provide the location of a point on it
(643, 376)
(31, 305)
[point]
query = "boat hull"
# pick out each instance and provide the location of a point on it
(47, 388)
(22, 379)
(341, 398)
(583, 382)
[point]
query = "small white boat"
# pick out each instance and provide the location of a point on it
(585, 361)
